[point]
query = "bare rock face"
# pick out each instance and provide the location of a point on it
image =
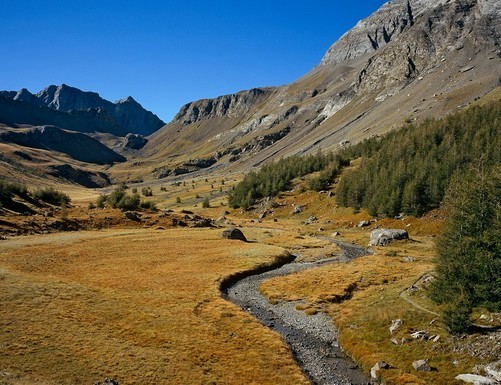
(134, 141)
(226, 105)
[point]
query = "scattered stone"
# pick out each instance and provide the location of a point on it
(262, 215)
(377, 367)
(383, 237)
(312, 219)
(476, 379)
(132, 216)
(234, 233)
(494, 370)
(336, 234)
(395, 324)
(363, 224)
(321, 229)
(297, 209)
(420, 335)
(160, 228)
(394, 341)
(203, 222)
(408, 259)
(466, 69)
(422, 366)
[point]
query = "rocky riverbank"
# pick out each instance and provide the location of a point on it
(312, 338)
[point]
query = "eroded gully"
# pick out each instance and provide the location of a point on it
(313, 339)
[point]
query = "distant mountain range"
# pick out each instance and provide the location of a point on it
(73, 109)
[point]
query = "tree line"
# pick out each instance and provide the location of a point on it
(409, 170)
(276, 177)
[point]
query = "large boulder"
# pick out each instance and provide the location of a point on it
(383, 237)
(475, 379)
(234, 233)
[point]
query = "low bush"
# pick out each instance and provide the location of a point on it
(52, 196)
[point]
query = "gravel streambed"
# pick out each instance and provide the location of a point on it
(313, 339)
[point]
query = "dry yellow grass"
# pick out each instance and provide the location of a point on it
(364, 316)
(141, 306)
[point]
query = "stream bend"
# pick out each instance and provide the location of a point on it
(313, 339)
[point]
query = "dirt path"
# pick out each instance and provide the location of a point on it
(313, 339)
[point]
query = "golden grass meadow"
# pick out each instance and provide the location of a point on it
(141, 306)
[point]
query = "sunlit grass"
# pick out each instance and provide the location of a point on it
(140, 306)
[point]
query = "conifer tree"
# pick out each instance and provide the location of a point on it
(468, 260)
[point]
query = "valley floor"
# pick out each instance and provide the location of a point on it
(143, 304)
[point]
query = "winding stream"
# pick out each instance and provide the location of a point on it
(313, 339)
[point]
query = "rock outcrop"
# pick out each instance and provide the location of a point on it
(134, 141)
(226, 105)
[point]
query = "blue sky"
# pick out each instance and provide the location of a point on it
(167, 53)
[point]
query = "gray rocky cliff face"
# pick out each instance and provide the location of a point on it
(226, 105)
(439, 32)
(397, 17)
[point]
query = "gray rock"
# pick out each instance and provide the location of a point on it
(377, 367)
(494, 370)
(297, 209)
(224, 105)
(420, 335)
(395, 324)
(134, 141)
(234, 233)
(363, 224)
(335, 234)
(476, 379)
(422, 366)
(383, 237)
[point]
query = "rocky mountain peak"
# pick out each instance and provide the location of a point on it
(66, 98)
(377, 30)
(126, 113)
(24, 95)
(128, 99)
